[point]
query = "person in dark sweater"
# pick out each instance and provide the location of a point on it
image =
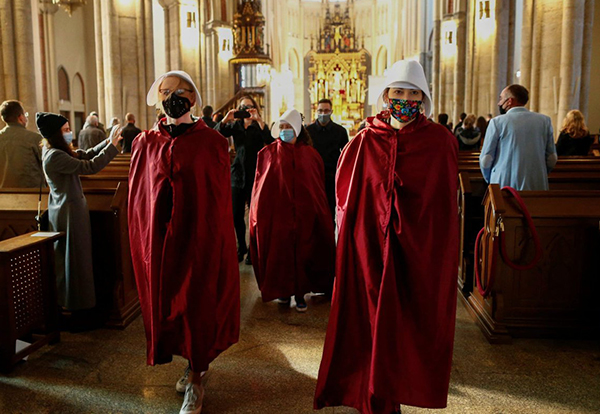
(460, 122)
(329, 139)
(443, 120)
(207, 112)
(249, 135)
(574, 138)
(129, 133)
(468, 135)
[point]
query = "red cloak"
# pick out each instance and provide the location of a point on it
(291, 229)
(391, 328)
(183, 245)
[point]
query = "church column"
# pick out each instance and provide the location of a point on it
(500, 53)
(586, 60)
(16, 41)
(124, 58)
(571, 56)
(458, 99)
(182, 30)
(49, 73)
(436, 78)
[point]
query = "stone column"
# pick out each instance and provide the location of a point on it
(124, 59)
(458, 99)
(586, 59)
(17, 61)
(570, 56)
(49, 74)
(436, 78)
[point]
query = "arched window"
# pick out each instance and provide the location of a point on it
(381, 61)
(64, 92)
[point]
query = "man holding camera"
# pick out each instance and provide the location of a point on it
(250, 134)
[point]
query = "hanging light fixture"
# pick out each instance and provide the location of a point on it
(69, 5)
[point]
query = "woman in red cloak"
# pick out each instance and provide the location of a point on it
(182, 239)
(291, 230)
(391, 327)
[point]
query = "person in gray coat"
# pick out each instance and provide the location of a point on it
(67, 206)
(91, 135)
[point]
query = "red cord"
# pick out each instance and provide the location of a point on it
(536, 239)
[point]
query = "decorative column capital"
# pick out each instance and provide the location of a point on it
(166, 4)
(47, 7)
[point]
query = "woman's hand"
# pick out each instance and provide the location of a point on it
(115, 135)
(229, 117)
(255, 116)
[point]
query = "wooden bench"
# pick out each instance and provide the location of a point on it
(28, 308)
(567, 175)
(116, 291)
(558, 297)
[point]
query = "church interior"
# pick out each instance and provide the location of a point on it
(527, 340)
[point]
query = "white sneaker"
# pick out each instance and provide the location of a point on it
(192, 401)
(183, 381)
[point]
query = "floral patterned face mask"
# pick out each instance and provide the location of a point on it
(404, 110)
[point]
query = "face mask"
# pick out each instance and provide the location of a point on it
(176, 106)
(68, 136)
(324, 118)
(404, 110)
(286, 135)
(501, 107)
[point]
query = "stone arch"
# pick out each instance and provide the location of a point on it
(78, 96)
(381, 61)
(64, 90)
(294, 62)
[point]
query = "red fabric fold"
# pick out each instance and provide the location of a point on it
(291, 229)
(391, 328)
(183, 245)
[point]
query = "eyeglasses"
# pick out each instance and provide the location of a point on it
(180, 91)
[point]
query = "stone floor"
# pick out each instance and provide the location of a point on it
(274, 368)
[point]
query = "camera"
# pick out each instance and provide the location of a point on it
(241, 114)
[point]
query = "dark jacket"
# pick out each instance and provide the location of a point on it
(129, 133)
(468, 139)
(209, 122)
(247, 142)
(89, 137)
(568, 145)
(328, 140)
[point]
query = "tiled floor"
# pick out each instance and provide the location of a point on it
(274, 367)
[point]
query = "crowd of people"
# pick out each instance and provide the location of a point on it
(390, 192)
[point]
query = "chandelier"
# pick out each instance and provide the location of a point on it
(69, 5)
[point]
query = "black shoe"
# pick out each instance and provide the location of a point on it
(248, 260)
(240, 257)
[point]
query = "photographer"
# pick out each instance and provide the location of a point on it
(250, 134)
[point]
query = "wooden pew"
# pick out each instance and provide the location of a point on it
(558, 297)
(567, 175)
(28, 309)
(113, 271)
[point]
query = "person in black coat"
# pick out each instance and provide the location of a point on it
(329, 139)
(574, 138)
(129, 133)
(207, 113)
(249, 135)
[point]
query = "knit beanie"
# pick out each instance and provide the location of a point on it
(49, 123)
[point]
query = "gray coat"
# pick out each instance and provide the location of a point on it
(89, 137)
(68, 212)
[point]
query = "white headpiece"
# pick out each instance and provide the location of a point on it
(292, 117)
(407, 74)
(152, 97)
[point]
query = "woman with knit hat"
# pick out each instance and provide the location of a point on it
(67, 207)
(182, 238)
(291, 229)
(391, 328)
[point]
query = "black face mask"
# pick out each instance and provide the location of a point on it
(501, 108)
(176, 106)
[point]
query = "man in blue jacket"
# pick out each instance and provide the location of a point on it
(518, 150)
